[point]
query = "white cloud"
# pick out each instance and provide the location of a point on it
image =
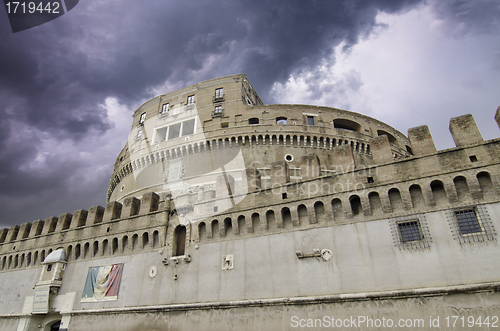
(409, 72)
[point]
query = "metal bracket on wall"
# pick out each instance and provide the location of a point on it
(325, 254)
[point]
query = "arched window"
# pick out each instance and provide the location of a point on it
(281, 120)
(180, 240)
(355, 205)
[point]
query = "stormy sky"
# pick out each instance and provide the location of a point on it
(68, 87)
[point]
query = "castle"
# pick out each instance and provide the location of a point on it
(227, 214)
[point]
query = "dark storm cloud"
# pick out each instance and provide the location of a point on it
(54, 77)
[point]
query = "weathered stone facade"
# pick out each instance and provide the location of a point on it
(331, 213)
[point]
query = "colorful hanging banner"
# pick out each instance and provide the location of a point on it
(102, 283)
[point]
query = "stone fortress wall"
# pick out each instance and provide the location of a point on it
(346, 191)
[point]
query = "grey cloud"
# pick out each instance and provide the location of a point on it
(468, 16)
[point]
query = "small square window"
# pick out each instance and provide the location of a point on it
(190, 100)
(219, 93)
(164, 108)
(471, 224)
(224, 125)
(467, 221)
(410, 231)
(369, 179)
(473, 158)
(283, 195)
(216, 208)
(218, 110)
(310, 120)
(143, 118)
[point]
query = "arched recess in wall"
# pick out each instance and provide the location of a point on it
(375, 204)
(439, 193)
(271, 219)
(281, 120)
(105, 249)
(179, 240)
(86, 250)
(114, 246)
(228, 227)
(319, 211)
(355, 202)
(242, 224)
(303, 215)
(28, 259)
(286, 216)
(417, 198)
(461, 187)
(124, 244)
(135, 241)
(395, 199)
(256, 222)
(202, 231)
(337, 209)
(95, 248)
(485, 184)
(156, 239)
(78, 251)
(253, 120)
(69, 252)
(145, 240)
(392, 139)
(341, 123)
(215, 229)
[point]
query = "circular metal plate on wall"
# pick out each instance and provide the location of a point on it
(153, 271)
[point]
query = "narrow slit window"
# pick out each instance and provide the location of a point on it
(143, 118)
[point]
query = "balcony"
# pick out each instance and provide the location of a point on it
(218, 98)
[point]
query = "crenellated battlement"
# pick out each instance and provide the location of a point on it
(280, 198)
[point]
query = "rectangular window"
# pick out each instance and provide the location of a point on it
(174, 131)
(467, 221)
(164, 108)
(190, 100)
(471, 224)
(219, 93)
(143, 118)
(310, 120)
(218, 110)
(410, 231)
(161, 134)
(188, 127)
